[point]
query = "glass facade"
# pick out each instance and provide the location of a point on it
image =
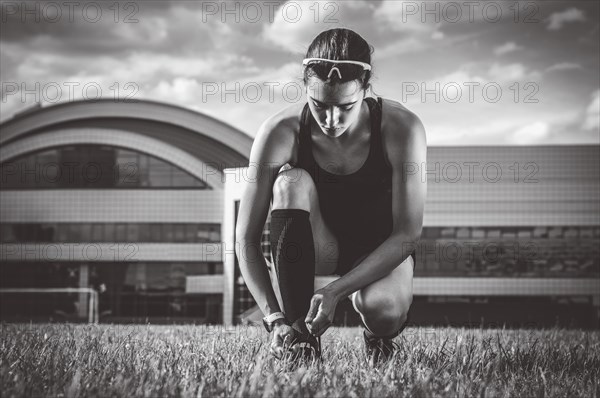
(555, 251)
(110, 232)
(509, 252)
(140, 290)
(93, 166)
(127, 290)
(546, 252)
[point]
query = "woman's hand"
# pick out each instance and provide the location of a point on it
(321, 312)
(283, 335)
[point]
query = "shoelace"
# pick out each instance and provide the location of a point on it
(300, 328)
(308, 344)
(319, 343)
(318, 340)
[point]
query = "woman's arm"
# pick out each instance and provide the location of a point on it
(271, 149)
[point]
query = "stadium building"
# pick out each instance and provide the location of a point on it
(126, 211)
(123, 197)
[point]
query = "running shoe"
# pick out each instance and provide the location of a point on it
(305, 347)
(378, 349)
(381, 349)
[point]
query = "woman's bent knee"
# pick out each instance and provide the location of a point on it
(382, 314)
(293, 189)
(385, 323)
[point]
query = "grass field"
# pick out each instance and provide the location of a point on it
(105, 360)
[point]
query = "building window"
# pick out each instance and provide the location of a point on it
(95, 167)
(140, 290)
(524, 251)
(109, 232)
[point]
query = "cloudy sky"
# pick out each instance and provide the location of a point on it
(491, 73)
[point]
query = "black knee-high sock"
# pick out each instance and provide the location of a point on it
(293, 252)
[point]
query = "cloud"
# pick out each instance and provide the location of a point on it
(514, 71)
(244, 102)
(477, 123)
(152, 30)
(563, 66)
(412, 20)
(185, 90)
(437, 35)
(138, 67)
(522, 128)
(401, 46)
(530, 134)
(460, 76)
(358, 4)
(592, 113)
(451, 89)
(494, 130)
(507, 48)
(511, 73)
(558, 19)
(401, 16)
(173, 51)
(295, 23)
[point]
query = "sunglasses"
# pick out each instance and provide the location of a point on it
(322, 67)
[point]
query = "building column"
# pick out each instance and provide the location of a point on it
(84, 282)
(596, 303)
(233, 192)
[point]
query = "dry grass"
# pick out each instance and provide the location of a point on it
(105, 360)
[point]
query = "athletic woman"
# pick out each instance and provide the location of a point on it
(342, 174)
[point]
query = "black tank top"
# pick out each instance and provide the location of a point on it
(357, 207)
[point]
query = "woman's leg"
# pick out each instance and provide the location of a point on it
(384, 304)
(301, 243)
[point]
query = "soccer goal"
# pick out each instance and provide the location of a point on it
(85, 293)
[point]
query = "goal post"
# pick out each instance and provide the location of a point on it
(92, 302)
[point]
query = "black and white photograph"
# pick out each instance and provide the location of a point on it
(303, 198)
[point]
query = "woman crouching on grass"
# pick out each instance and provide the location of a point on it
(342, 202)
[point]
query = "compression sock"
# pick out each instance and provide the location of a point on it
(293, 252)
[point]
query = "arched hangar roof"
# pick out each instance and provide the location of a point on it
(203, 136)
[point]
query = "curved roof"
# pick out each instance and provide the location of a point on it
(203, 136)
(125, 139)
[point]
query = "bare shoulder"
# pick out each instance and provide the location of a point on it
(397, 120)
(402, 132)
(277, 137)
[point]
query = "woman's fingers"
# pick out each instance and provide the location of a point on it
(280, 342)
(276, 346)
(320, 315)
(313, 313)
(315, 302)
(320, 324)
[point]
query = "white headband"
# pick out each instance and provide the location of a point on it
(307, 61)
(364, 65)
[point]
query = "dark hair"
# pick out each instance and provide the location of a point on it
(339, 44)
